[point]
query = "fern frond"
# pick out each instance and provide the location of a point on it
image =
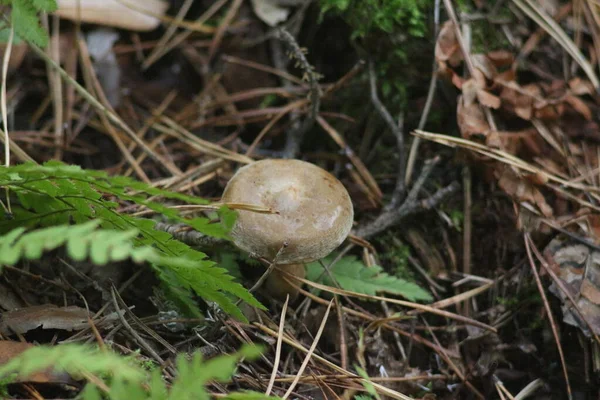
(45, 5)
(351, 274)
(75, 359)
(24, 20)
(126, 378)
(105, 245)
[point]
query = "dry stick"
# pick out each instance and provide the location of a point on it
(278, 346)
(537, 14)
(57, 90)
(415, 306)
(168, 33)
(7, 52)
(443, 353)
(144, 129)
(92, 82)
(380, 388)
(158, 52)
(538, 281)
(136, 336)
(111, 115)
(342, 325)
(414, 148)
(397, 131)
(309, 353)
(218, 36)
(411, 204)
(294, 137)
(467, 225)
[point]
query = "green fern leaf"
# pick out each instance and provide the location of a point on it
(353, 275)
(77, 360)
(25, 22)
(45, 5)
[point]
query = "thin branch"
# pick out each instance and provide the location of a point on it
(294, 137)
(411, 205)
(396, 130)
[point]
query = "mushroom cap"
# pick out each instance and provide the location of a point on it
(315, 212)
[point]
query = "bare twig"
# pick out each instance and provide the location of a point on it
(184, 234)
(397, 131)
(551, 321)
(411, 204)
(412, 155)
(294, 137)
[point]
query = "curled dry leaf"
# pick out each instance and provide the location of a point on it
(10, 349)
(578, 267)
(471, 122)
(522, 190)
(47, 316)
(447, 49)
(501, 58)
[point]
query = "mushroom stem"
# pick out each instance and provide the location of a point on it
(277, 284)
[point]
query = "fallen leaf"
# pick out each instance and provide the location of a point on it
(521, 190)
(447, 49)
(580, 87)
(47, 316)
(501, 58)
(485, 65)
(578, 267)
(487, 99)
(579, 106)
(10, 349)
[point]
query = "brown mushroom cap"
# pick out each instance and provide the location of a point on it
(315, 210)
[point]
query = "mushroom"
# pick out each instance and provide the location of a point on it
(134, 15)
(313, 214)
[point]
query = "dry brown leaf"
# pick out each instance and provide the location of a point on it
(580, 87)
(487, 99)
(447, 49)
(501, 58)
(579, 106)
(47, 316)
(578, 267)
(485, 65)
(521, 190)
(10, 349)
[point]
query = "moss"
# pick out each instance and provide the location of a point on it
(385, 15)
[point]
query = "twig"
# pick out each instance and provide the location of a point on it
(467, 224)
(540, 287)
(137, 337)
(411, 204)
(184, 234)
(278, 347)
(294, 137)
(4, 113)
(397, 131)
(412, 155)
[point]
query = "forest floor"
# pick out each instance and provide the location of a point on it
(466, 134)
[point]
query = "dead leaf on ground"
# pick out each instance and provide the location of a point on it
(521, 190)
(47, 316)
(578, 267)
(446, 46)
(10, 349)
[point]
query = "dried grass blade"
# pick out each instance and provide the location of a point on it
(278, 347)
